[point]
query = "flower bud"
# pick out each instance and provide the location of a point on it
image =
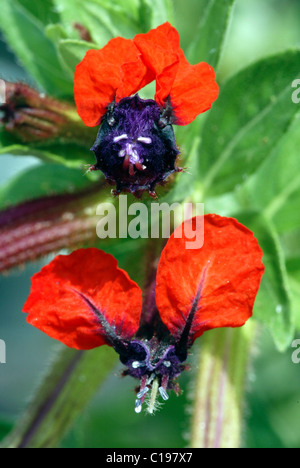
(33, 117)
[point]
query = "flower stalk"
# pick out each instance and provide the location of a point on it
(73, 379)
(34, 117)
(220, 387)
(36, 228)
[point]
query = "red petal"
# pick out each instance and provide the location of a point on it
(220, 280)
(57, 304)
(115, 71)
(192, 88)
(193, 91)
(160, 48)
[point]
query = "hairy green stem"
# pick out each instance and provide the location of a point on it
(70, 383)
(220, 386)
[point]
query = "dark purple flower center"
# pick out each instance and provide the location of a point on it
(153, 356)
(135, 146)
(156, 364)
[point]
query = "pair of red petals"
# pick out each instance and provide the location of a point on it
(222, 277)
(124, 66)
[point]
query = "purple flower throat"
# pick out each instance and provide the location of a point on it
(135, 146)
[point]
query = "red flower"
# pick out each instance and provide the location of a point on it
(85, 300)
(124, 66)
(135, 146)
(59, 300)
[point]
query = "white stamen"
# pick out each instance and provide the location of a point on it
(142, 392)
(122, 153)
(167, 363)
(136, 364)
(145, 140)
(152, 376)
(120, 137)
(129, 149)
(134, 157)
(163, 393)
(138, 406)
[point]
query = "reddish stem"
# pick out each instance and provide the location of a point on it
(39, 227)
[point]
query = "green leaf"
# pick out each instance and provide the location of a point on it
(290, 243)
(55, 32)
(43, 11)
(155, 12)
(5, 427)
(70, 155)
(274, 192)
(72, 51)
(275, 187)
(185, 181)
(294, 284)
(41, 180)
(209, 38)
(273, 305)
(253, 112)
(102, 19)
(6, 139)
(25, 35)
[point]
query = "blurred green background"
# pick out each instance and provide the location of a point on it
(258, 28)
